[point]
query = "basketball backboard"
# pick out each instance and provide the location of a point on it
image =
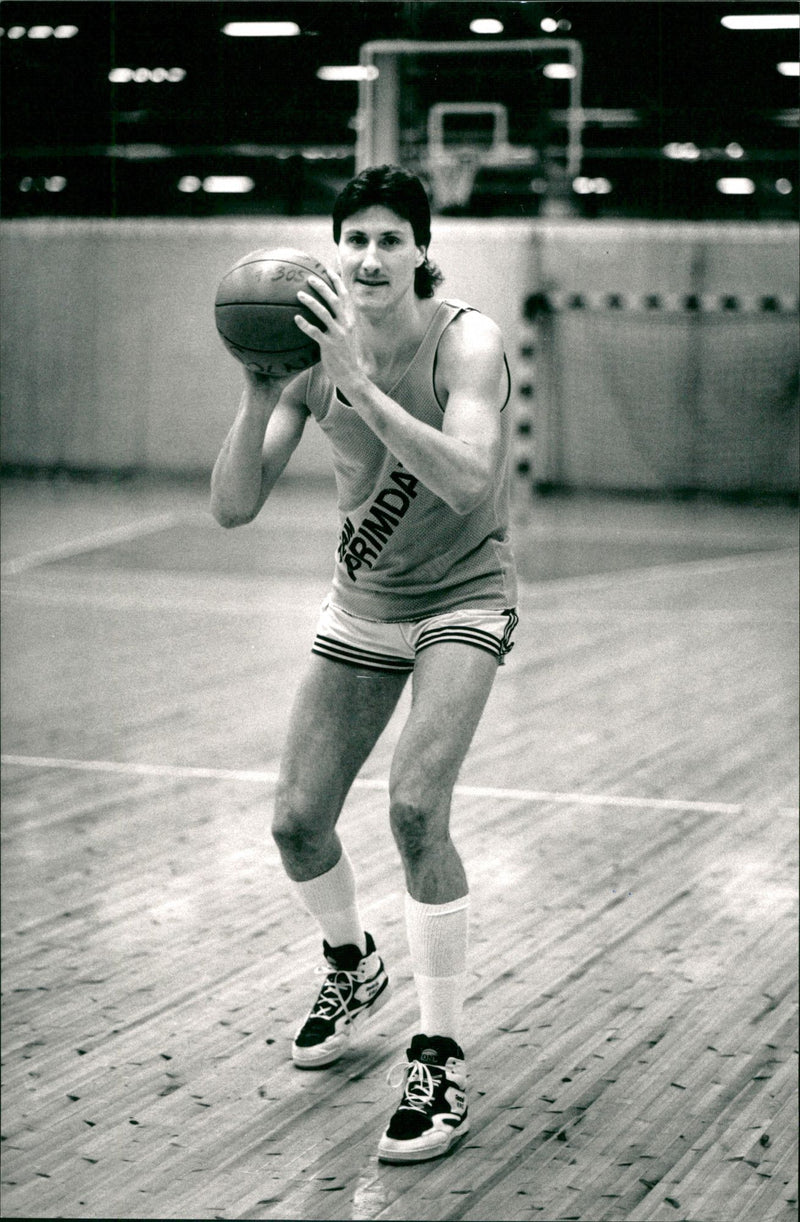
(451, 110)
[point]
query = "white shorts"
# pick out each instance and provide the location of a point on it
(375, 645)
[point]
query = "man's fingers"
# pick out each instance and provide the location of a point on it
(325, 291)
(322, 311)
(307, 328)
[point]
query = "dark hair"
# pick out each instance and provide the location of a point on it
(394, 188)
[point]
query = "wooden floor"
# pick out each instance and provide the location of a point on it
(627, 817)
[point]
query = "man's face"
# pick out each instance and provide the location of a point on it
(378, 256)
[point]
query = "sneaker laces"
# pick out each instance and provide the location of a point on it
(420, 1084)
(331, 998)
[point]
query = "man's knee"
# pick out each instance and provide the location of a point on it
(298, 825)
(418, 824)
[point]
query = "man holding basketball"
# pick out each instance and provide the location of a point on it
(410, 390)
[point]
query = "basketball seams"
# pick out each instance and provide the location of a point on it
(279, 262)
(276, 352)
(262, 305)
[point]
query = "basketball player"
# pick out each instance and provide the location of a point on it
(410, 390)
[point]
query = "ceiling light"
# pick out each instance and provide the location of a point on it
(229, 184)
(736, 186)
(681, 150)
(348, 72)
(783, 186)
(261, 29)
(591, 186)
(560, 72)
(486, 25)
(65, 31)
(40, 31)
(549, 25)
(123, 76)
(734, 149)
(762, 21)
(789, 68)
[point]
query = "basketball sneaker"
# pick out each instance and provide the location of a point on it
(432, 1115)
(355, 987)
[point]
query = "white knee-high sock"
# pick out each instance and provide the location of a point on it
(331, 898)
(437, 939)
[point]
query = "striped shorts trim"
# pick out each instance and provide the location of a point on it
(393, 648)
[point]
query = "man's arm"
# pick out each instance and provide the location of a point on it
(458, 464)
(268, 425)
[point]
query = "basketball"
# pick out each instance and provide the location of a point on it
(255, 307)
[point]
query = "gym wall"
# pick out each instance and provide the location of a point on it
(645, 355)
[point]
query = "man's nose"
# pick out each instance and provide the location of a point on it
(370, 260)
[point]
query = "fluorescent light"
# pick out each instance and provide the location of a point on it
(591, 186)
(762, 21)
(261, 29)
(789, 68)
(40, 31)
(736, 186)
(17, 31)
(140, 152)
(560, 72)
(486, 25)
(123, 76)
(348, 72)
(228, 184)
(681, 150)
(65, 31)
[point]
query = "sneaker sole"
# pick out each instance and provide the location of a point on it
(319, 1057)
(420, 1154)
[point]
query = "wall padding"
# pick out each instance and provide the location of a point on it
(110, 358)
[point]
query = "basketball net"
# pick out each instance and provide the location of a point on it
(452, 174)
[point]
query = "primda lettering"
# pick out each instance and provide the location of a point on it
(361, 547)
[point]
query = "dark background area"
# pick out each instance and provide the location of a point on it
(76, 144)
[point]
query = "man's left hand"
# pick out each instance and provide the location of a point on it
(338, 344)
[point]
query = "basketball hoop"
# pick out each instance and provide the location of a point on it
(452, 174)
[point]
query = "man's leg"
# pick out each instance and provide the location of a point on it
(451, 686)
(452, 683)
(338, 715)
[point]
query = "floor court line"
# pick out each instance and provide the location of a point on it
(592, 581)
(90, 543)
(251, 605)
(257, 777)
(692, 568)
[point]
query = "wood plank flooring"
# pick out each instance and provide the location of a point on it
(628, 820)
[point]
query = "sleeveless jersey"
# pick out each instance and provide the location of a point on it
(403, 553)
